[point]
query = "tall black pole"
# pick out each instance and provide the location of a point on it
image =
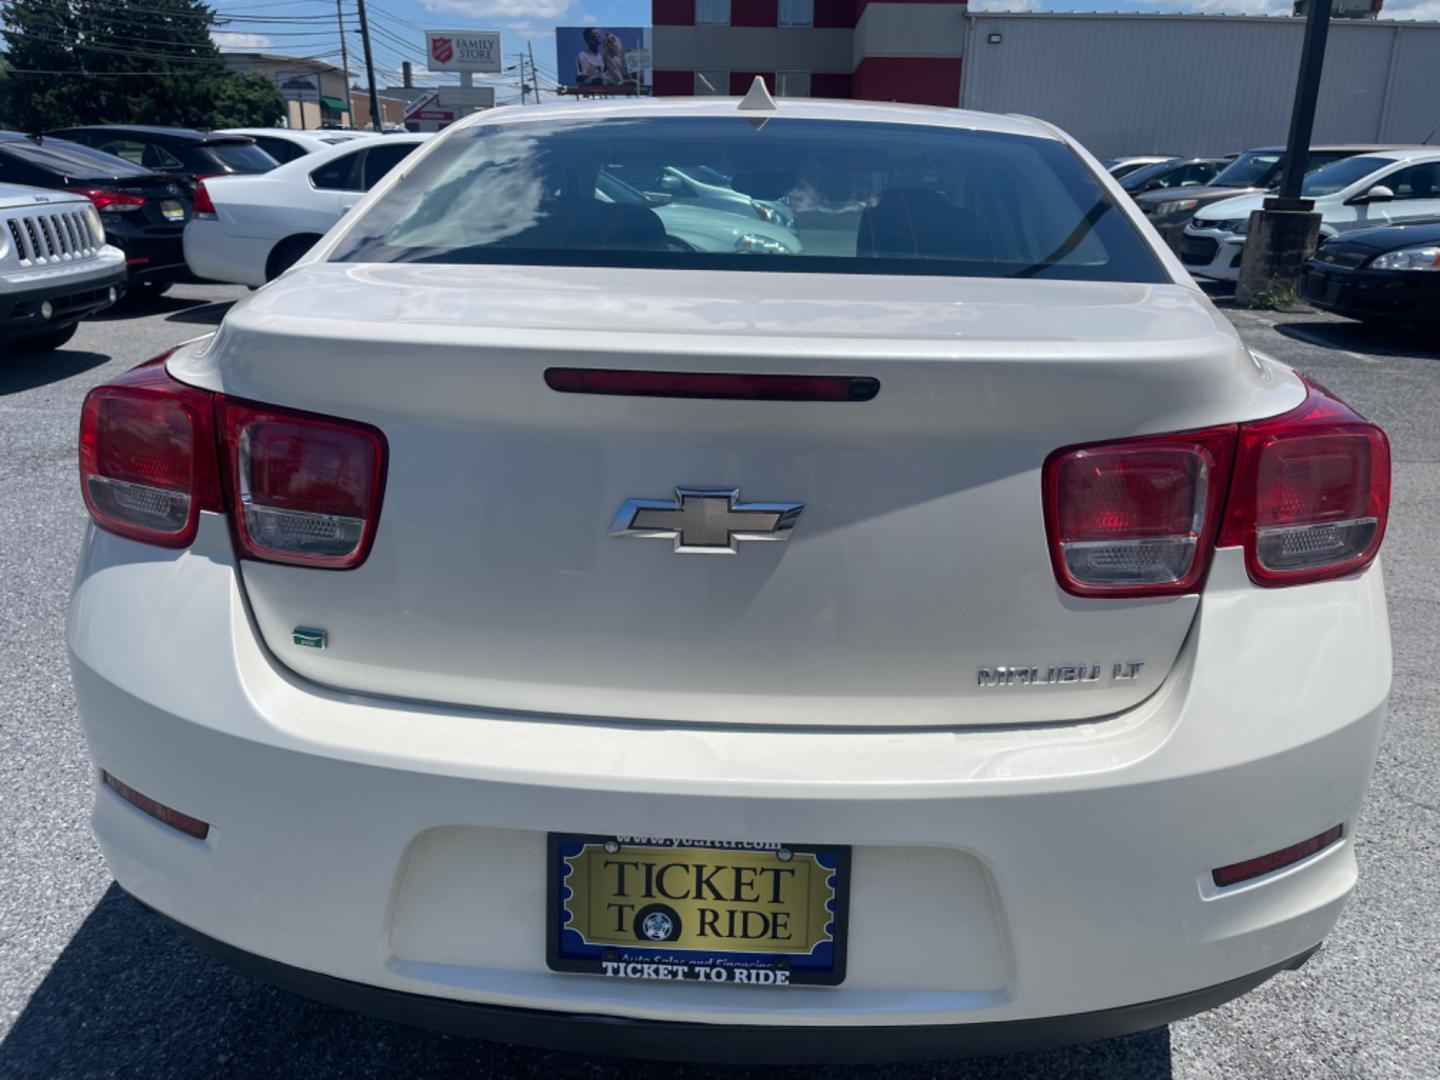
(369, 67)
(345, 62)
(1307, 91)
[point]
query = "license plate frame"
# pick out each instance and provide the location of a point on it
(827, 870)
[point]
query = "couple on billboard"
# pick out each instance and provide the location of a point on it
(602, 62)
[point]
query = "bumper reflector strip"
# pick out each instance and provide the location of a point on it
(1265, 864)
(159, 811)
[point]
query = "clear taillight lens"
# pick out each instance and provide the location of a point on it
(1311, 493)
(1137, 517)
(305, 489)
(147, 457)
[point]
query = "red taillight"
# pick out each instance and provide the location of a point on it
(191, 826)
(1136, 517)
(202, 204)
(1276, 860)
(300, 488)
(147, 456)
(1311, 493)
(112, 202)
(305, 489)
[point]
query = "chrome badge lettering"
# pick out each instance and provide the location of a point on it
(1058, 674)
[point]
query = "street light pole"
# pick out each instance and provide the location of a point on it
(1284, 234)
(369, 67)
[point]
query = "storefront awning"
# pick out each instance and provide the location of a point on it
(334, 103)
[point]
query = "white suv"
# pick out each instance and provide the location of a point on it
(942, 636)
(55, 267)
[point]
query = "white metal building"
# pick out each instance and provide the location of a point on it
(1200, 84)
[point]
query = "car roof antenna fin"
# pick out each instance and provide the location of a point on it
(757, 100)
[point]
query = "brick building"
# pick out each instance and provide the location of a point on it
(882, 50)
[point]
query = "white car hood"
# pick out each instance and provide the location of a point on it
(1230, 209)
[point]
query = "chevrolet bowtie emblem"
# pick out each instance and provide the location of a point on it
(705, 521)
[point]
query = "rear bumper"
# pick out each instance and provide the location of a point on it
(148, 257)
(214, 255)
(998, 875)
(733, 1044)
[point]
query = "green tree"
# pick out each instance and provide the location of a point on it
(123, 61)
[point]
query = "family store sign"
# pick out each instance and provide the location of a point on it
(463, 50)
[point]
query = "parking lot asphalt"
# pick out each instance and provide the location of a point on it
(91, 985)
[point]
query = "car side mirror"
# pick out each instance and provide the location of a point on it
(672, 185)
(1378, 193)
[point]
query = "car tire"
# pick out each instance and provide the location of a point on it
(286, 254)
(42, 343)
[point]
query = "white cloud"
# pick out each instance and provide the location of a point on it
(232, 40)
(1411, 9)
(501, 9)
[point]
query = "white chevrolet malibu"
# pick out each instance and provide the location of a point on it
(943, 637)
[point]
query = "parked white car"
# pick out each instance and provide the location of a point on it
(1383, 187)
(287, 144)
(55, 267)
(249, 229)
(948, 640)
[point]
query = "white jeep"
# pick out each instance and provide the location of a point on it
(55, 267)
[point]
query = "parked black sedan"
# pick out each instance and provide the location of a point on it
(182, 153)
(1378, 275)
(143, 213)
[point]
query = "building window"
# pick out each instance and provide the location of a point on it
(710, 81)
(797, 13)
(792, 83)
(712, 12)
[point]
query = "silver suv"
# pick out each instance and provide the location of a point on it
(55, 267)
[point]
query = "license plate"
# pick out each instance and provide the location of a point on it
(172, 210)
(697, 910)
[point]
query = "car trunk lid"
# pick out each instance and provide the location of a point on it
(918, 563)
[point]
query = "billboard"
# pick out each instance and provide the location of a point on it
(599, 56)
(462, 50)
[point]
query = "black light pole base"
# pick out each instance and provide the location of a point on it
(1281, 238)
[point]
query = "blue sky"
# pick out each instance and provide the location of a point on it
(309, 27)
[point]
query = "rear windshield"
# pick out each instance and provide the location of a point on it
(245, 157)
(71, 159)
(732, 193)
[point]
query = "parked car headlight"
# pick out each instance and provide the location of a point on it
(1175, 206)
(1423, 257)
(760, 244)
(1238, 226)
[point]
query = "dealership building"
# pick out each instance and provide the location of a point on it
(1121, 83)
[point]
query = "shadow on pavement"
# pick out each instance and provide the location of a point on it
(208, 314)
(27, 370)
(130, 997)
(135, 306)
(1366, 338)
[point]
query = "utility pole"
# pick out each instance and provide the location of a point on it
(524, 87)
(533, 74)
(369, 67)
(1283, 235)
(344, 60)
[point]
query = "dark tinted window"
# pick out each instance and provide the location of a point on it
(379, 160)
(240, 157)
(340, 174)
(1416, 182)
(867, 198)
(1339, 175)
(1254, 169)
(282, 150)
